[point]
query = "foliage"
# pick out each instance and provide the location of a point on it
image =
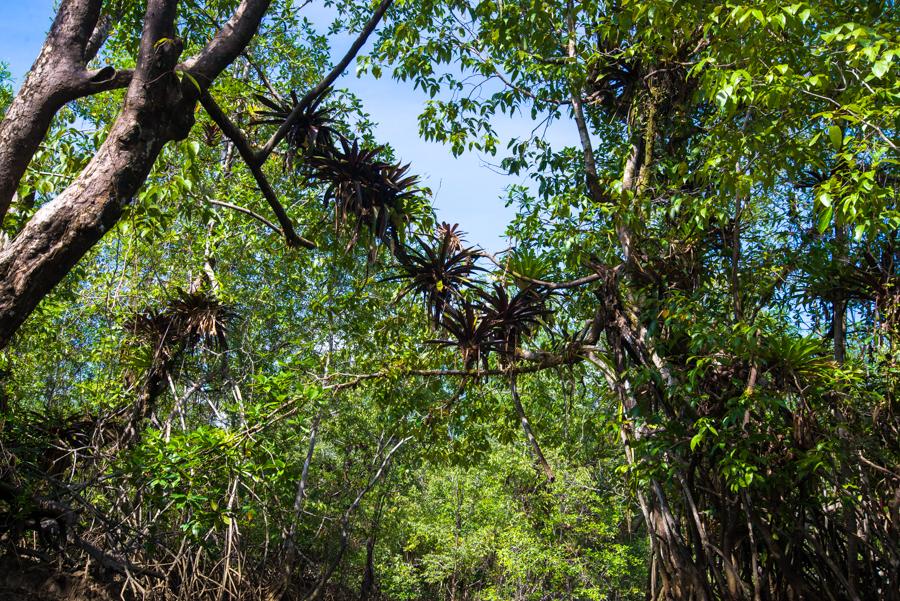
(699, 320)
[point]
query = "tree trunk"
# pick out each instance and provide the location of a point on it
(63, 230)
(158, 108)
(57, 76)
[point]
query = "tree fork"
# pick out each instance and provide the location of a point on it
(158, 108)
(55, 78)
(526, 427)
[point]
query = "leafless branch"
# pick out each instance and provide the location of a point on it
(323, 85)
(243, 146)
(247, 211)
(544, 283)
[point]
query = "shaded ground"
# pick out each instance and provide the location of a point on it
(22, 579)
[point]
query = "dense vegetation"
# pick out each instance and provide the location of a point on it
(242, 359)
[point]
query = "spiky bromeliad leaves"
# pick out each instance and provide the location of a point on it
(438, 271)
(514, 317)
(369, 195)
(311, 133)
(614, 84)
(473, 333)
(525, 261)
(452, 234)
(188, 320)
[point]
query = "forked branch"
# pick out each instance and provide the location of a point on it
(243, 147)
(526, 427)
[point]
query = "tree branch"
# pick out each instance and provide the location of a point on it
(323, 85)
(63, 230)
(345, 521)
(590, 164)
(542, 361)
(228, 43)
(243, 147)
(544, 283)
(526, 426)
(55, 78)
(247, 211)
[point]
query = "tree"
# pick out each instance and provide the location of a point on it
(695, 330)
(161, 95)
(730, 156)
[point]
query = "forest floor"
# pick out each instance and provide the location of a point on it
(22, 579)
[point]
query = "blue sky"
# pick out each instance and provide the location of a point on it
(466, 190)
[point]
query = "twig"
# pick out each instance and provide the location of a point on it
(548, 362)
(526, 426)
(247, 211)
(877, 467)
(549, 285)
(243, 146)
(345, 521)
(323, 85)
(590, 165)
(877, 129)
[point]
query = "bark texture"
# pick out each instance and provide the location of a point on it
(58, 76)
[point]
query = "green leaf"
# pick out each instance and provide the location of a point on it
(836, 134)
(190, 78)
(696, 440)
(881, 67)
(825, 219)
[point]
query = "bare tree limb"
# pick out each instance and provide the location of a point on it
(323, 85)
(243, 147)
(544, 283)
(289, 543)
(158, 108)
(228, 43)
(63, 230)
(246, 211)
(526, 427)
(548, 361)
(57, 74)
(345, 521)
(590, 164)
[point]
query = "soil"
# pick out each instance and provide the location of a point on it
(22, 579)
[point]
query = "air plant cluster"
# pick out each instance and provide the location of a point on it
(437, 270)
(614, 84)
(187, 321)
(477, 321)
(371, 199)
(369, 195)
(311, 132)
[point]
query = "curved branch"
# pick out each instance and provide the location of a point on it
(323, 85)
(247, 211)
(243, 146)
(345, 521)
(544, 283)
(542, 361)
(55, 78)
(63, 230)
(526, 426)
(228, 43)
(590, 164)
